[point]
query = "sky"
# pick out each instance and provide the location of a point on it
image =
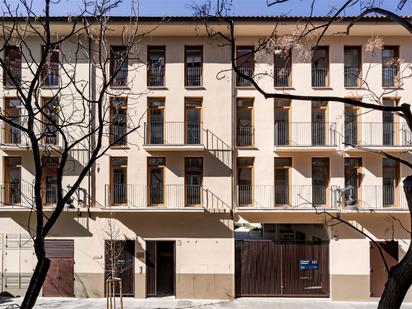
(240, 7)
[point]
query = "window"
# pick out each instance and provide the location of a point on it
(353, 178)
(118, 123)
(119, 64)
(156, 180)
(12, 60)
(193, 118)
(13, 112)
(193, 70)
(319, 130)
(50, 71)
(353, 66)
(320, 181)
(282, 180)
(388, 129)
(283, 68)
(156, 66)
(245, 129)
(12, 185)
(51, 120)
(245, 183)
(390, 66)
(390, 179)
(320, 66)
(245, 63)
(49, 180)
(155, 122)
(351, 125)
(193, 180)
(282, 110)
(118, 181)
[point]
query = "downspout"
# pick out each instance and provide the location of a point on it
(92, 113)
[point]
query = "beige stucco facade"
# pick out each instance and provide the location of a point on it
(204, 235)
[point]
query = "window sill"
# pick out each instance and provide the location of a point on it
(246, 87)
(284, 88)
(354, 87)
(393, 87)
(120, 87)
(322, 88)
(252, 147)
(195, 88)
(119, 147)
(50, 87)
(157, 87)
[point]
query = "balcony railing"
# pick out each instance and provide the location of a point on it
(279, 196)
(156, 75)
(117, 135)
(15, 71)
(306, 134)
(377, 134)
(282, 77)
(352, 76)
(245, 136)
(173, 133)
(374, 197)
(389, 76)
(193, 76)
(168, 196)
(320, 77)
(120, 79)
(22, 195)
(51, 75)
(246, 69)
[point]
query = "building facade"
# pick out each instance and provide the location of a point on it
(222, 193)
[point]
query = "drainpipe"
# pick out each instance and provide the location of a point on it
(92, 113)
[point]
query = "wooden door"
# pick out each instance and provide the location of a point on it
(151, 268)
(119, 263)
(378, 273)
(60, 278)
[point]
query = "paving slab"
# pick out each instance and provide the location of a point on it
(171, 303)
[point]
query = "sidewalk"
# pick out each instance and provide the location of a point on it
(163, 303)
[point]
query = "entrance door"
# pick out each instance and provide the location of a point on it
(60, 278)
(160, 268)
(378, 274)
(119, 263)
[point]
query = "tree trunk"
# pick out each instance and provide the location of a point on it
(400, 275)
(36, 282)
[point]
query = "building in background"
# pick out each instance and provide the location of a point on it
(215, 195)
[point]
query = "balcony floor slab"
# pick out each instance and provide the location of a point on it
(162, 147)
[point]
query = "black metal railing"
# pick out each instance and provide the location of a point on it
(245, 69)
(156, 76)
(173, 133)
(282, 77)
(245, 136)
(351, 76)
(320, 77)
(193, 76)
(389, 76)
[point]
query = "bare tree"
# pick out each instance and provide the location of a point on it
(310, 33)
(79, 113)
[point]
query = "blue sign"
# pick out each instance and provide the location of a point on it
(308, 265)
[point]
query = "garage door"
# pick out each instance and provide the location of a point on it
(273, 268)
(60, 277)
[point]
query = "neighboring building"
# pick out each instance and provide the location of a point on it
(213, 195)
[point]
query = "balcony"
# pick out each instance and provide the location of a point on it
(120, 79)
(156, 75)
(300, 135)
(161, 197)
(12, 138)
(282, 77)
(282, 196)
(173, 136)
(372, 197)
(246, 69)
(245, 136)
(352, 76)
(193, 76)
(15, 195)
(117, 136)
(379, 135)
(50, 75)
(320, 77)
(15, 70)
(389, 76)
